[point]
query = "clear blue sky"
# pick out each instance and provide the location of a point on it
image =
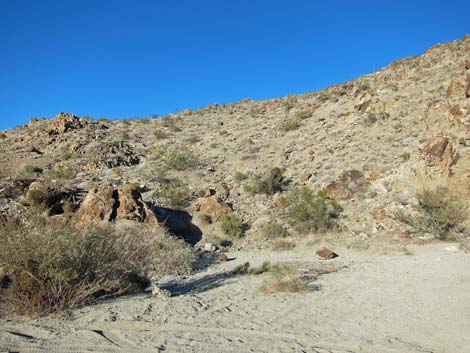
(136, 58)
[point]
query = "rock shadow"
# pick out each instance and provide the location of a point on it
(197, 285)
(179, 223)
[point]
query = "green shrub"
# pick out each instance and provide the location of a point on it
(304, 114)
(231, 225)
(160, 134)
(193, 139)
(60, 172)
(439, 212)
(290, 124)
(307, 212)
(406, 156)
(239, 176)
(268, 184)
(30, 169)
(274, 230)
(52, 269)
(174, 194)
(178, 158)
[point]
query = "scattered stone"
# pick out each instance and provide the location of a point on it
(160, 293)
(223, 257)
(452, 248)
(326, 254)
(209, 247)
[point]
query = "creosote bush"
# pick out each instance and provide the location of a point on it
(291, 124)
(439, 212)
(231, 225)
(52, 269)
(179, 158)
(274, 230)
(307, 212)
(267, 184)
(175, 194)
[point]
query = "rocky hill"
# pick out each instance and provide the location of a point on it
(367, 146)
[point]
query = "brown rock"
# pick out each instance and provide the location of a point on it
(467, 88)
(223, 257)
(326, 254)
(64, 122)
(110, 204)
(439, 149)
(456, 90)
(347, 184)
(132, 207)
(212, 206)
(99, 204)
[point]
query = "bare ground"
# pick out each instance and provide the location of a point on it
(371, 303)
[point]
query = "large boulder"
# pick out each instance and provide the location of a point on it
(107, 203)
(98, 205)
(213, 207)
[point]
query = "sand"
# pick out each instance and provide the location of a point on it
(415, 302)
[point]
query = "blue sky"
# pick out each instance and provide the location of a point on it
(120, 59)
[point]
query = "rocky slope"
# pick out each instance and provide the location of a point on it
(371, 144)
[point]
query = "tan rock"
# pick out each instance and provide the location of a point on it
(456, 89)
(212, 206)
(326, 254)
(132, 207)
(99, 204)
(64, 122)
(223, 257)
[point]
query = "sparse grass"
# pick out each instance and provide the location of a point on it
(231, 225)
(290, 124)
(284, 279)
(439, 212)
(246, 269)
(274, 230)
(307, 212)
(282, 245)
(52, 269)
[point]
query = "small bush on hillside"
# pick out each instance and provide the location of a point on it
(290, 124)
(304, 114)
(178, 158)
(174, 194)
(30, 169)
(439, 212)
(160, 134)
(231, 225)
(269, 185)
(239, 176)
(52, 269)
(307, 212)
(274, 230)
(60, 172)
(282, 245)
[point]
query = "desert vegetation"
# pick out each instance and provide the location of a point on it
(55, 268)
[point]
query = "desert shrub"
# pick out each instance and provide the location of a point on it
(406, 156)
(231, 225)
(290, 124)
(439, 212)
(268, 184)
(304, 114)
(274, 230)
(289, 102)
(52, 269)
(239, 176)
(60, 172)
(308, 212)
(246, 269)
(3, 135)
(283, 278)
(178, 158)
(31, 169)
(282, 245)
(193, 139)
(170, 122)
(160, 134)
(174, 194)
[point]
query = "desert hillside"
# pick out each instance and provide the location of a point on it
(370, 144)
(333, 221)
